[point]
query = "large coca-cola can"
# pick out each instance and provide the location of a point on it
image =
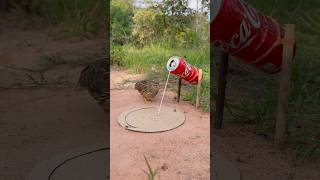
(179, 66)
(247, 34)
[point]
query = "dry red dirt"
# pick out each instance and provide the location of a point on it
(36, 123)
(182, 153)
(257, 157)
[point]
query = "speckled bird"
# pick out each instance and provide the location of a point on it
(148, 89)
(94, 77)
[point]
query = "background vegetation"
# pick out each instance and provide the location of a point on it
(145, 34)
(62, 17)
(252, 95)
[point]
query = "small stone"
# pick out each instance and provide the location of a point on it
(164, 167)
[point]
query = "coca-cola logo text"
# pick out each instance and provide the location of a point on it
(186, 71)
(251, 20)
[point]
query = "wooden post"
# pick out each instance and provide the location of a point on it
(222, 81)
(179, 89)
(285, 75)
(199, 89)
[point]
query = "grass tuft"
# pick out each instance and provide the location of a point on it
(63, 17)
(151, 173)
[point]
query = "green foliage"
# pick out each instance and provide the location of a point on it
(63, 17)
(147, 26)
(204, 96)
(121, 21)
(170, 23)
(78, 17)
(117, 55)
(140, 59)
(151, 173)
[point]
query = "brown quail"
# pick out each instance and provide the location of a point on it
(147, 88)
(94, 77)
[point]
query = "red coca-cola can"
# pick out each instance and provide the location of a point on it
(247, 34)
(179, 66)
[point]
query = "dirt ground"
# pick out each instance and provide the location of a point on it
(182, 153)
(40, 121)
(257, 157)
(254, 155)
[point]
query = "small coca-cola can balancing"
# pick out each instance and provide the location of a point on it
(178, 66)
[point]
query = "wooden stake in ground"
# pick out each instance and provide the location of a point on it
(222, 81)
(199, 89)
(179, 89)
(285, 75)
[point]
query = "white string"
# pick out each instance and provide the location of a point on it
(164, 91)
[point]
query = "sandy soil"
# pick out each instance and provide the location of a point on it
(182, 153)
(36, 123)
(254, 155)
(23, 52)
(257, 157)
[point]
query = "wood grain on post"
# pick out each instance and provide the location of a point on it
(199, 89)
(285, 76)
(222, 81)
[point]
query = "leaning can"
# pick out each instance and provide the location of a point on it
(179, 67)
(248, 35)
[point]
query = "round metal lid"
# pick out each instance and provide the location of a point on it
(147, 120)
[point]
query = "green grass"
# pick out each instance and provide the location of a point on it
(151, 172)
(62, 17)
(152, 60)
(78, 17)
(252, 97)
